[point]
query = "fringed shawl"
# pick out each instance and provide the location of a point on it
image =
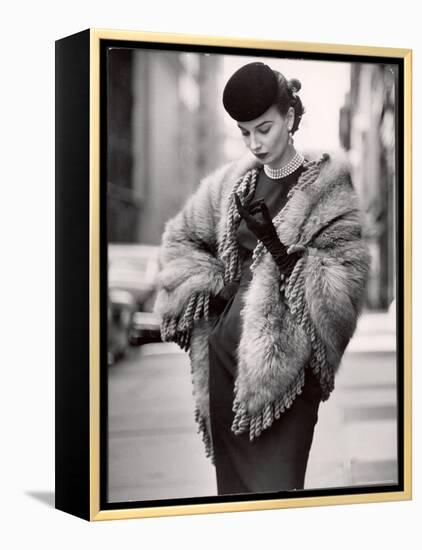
(288, 324)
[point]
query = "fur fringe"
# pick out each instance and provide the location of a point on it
(295, 296)
(293, 289)
(257, 423)
(205, 434)
(178, 329)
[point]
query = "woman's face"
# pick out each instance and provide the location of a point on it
(267, 136)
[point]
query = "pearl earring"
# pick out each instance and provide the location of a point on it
(290, 137)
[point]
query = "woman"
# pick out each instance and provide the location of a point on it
(263, 277)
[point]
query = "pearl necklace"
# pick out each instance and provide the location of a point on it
(286, 170)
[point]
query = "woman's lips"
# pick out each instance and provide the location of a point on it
(261, 155)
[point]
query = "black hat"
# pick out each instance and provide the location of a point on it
(250, 92)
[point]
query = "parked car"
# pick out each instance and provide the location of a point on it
(134, 268)
(145, 328)
(132, 276)
(121, 309)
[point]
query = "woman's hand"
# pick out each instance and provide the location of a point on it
(220, 300)
(256, 216)
(258, 220)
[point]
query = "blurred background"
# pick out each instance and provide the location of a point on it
(166, 130)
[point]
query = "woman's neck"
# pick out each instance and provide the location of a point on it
(286, 169)
(287, 156)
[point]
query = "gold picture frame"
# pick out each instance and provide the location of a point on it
(80, 82)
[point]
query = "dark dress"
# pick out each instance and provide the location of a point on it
(277, 459)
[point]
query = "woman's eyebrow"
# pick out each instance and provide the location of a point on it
(257, 126)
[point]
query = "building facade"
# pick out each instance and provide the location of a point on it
(368, 124)
(164, 127)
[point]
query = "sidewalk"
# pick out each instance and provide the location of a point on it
(376, 331)
(355, 440)
(156, 453)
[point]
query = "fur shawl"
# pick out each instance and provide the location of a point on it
(287, 325)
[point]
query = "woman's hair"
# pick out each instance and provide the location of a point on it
(287, 97)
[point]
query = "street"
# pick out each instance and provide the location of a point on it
(156, 453)
(154, 449)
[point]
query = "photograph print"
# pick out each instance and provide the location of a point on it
(253, 279)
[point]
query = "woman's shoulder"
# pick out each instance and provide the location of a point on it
(333, 190)
(338, 167)
(330, 175)
(326, 194)
(334, 166)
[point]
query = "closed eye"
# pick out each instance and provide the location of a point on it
(265, 131)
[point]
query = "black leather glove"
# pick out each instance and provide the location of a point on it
(220, 300)
(258, 220)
